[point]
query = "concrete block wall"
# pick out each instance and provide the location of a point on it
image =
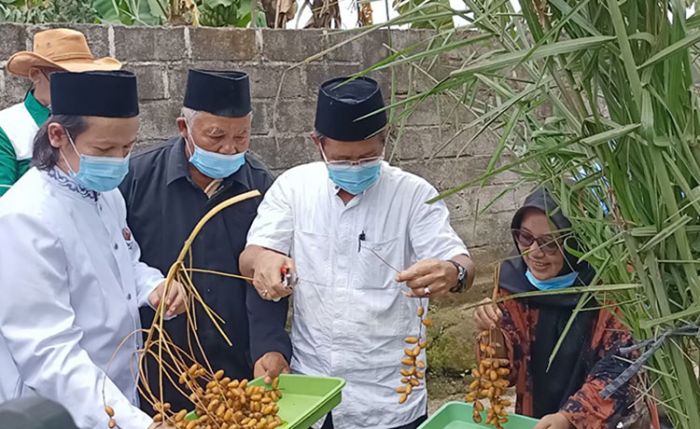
(284, 87)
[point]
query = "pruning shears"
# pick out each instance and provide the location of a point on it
(289, 279)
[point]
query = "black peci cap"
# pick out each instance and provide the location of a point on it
(341, 105)
(221, 93)
(109, 94)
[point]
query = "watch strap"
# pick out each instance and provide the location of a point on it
(461, 277)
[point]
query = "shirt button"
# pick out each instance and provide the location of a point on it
(209, 291)
(128, 296)
(116, 246)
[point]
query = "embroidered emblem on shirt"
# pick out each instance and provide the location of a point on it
(69, 184)
(126, 233)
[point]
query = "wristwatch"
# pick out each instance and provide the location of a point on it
(461, 278)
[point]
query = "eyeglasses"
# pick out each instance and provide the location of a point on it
(549, 244)
(348, 163)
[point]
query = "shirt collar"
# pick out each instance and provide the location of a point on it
(38, 111)
(179, 167)
(67, 183)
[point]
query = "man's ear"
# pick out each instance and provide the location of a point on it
(57, 135)
(182, 126)
(35, 75)
(316, 139)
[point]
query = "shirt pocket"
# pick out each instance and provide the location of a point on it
(311, 254)
(378, 306)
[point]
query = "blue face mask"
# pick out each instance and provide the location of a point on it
(560, 282)
(355, 179)
(98, 173)
(216, 165)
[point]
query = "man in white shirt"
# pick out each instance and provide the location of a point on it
(365, 246)
(71, 279)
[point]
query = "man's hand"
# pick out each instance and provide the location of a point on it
(175, 302)
(270, 365)
(554, 421)
(429, 277)
(268, 275)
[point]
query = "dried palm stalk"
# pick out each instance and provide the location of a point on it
(174, 360)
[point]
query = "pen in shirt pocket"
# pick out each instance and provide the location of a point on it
(360, 239)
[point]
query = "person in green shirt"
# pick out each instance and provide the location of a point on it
(54, 50)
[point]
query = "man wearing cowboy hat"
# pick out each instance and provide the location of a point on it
(59, 49)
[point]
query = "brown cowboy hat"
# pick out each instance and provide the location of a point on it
(61, 49)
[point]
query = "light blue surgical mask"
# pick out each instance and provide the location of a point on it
(98, 173)
(560, 282)
(216, 165)
(354, 177)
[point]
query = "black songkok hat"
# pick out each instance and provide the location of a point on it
(341, 104)
(109, 94)
(221, 93)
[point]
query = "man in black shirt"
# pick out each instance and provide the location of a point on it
(167, 192)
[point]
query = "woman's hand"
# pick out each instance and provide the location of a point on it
(554, 421)
(487, 315)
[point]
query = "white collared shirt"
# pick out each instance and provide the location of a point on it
(71, 284)
(350, 316)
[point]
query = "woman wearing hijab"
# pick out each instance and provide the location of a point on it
(567, 394)
(70, 277)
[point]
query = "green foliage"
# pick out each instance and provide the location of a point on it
(596, 100)
(47, 11)
(130, 12)
(213, 13)
(426, 8)
(229, 13)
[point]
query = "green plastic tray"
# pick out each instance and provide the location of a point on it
(305, 399)
(458, 415)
